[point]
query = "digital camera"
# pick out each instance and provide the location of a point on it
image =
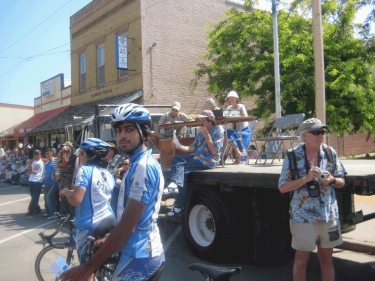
(323, 175)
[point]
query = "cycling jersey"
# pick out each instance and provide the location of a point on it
(95, 205)
(143, 182)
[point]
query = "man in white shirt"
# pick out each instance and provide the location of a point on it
(35, 184)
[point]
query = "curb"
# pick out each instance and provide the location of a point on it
(357, 247)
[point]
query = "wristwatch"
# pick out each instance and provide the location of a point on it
(334, 181)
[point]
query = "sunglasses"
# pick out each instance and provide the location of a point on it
(125, 164)
(317, 133)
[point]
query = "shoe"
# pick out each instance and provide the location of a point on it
(45, 215)
(29, 215)
(36, 212)
(170, 190)
(174, 212)
(51, 217)
(172, 185)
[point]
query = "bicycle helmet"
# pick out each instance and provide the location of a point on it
(97, 146)
(130, 112)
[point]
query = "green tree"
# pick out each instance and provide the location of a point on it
(240, 57)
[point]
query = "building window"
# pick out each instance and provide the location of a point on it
(122, 73)
(100, 57)
(82, 80)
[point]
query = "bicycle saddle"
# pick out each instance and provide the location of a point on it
(215, 272)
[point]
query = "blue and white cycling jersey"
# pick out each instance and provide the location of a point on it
(95, 206)
(143, 182)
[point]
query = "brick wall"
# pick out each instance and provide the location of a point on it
(352, 144)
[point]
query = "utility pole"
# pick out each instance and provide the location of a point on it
(320, 94)
(276, 59)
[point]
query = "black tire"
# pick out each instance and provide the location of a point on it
(48, 256)
(208, 225)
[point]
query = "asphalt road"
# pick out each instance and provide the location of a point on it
(20, 244)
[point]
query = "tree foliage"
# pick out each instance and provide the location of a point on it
(240, 57)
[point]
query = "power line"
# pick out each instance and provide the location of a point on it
(35, 27)
(77, 39)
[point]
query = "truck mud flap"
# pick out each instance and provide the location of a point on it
(271, 234)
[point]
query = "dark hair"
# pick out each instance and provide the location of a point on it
(95, 160)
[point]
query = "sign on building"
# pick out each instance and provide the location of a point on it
(122, 52)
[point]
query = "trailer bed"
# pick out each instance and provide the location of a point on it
(360, 177)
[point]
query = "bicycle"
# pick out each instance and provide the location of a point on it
(215, 273)
(50, 253)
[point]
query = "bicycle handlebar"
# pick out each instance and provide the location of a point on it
(62, 221)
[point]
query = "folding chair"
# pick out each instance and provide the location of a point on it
(284, 129)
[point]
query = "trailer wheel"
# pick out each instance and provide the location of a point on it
(207, 225)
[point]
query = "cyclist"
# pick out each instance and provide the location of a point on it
(137, 234)
(93, 188)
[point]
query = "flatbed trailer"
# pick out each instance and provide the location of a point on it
(237, 210)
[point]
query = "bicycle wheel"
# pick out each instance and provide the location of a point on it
(48, 256)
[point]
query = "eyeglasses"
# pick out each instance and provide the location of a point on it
(317, 133)
(125, 164)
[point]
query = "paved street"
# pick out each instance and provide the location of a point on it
(20, 244)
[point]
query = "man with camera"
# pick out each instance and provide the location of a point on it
(311, 172)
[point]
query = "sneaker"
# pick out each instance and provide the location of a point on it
(29, 215)
(170, 190)
(175, 212)
(51, 217)
(172, 185)
(45, 215)
(36, 212)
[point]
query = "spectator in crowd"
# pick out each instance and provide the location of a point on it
(13, 155)
(136, 235)
(48, 181)
(114, 162)
(35, 184)
(53, 198)
(240, 135)
(2, 152)
(210, 104)
(169, 118)
(119, 175)
(24, 176)
(67, 165)
(314, 216)
(204, 155)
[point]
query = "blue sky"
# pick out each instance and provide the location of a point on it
(46, 26)
(35, 45)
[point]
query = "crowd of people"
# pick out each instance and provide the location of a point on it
(117, 198)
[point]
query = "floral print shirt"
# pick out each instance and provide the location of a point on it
(303, 208)
(202, 152)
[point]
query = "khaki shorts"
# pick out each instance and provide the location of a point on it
(306, 236)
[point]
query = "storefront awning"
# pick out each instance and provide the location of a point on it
(36, 120)
(58, 123)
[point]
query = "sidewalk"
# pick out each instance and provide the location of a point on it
(362, 239)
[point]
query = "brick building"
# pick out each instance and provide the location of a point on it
(166, 40)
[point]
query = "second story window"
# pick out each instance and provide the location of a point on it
(82, 72)
(100, 58)
(122, 73)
